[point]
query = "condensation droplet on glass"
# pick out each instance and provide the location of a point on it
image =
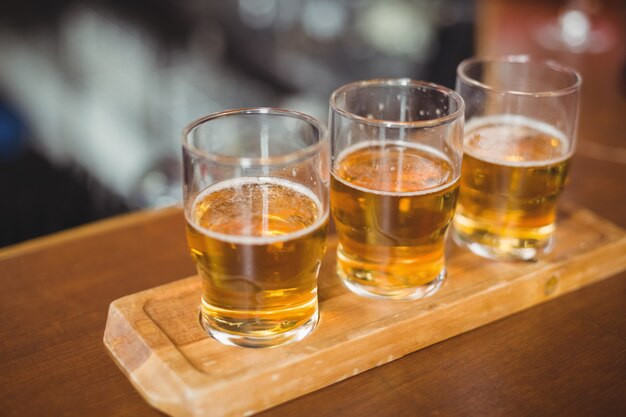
(422, 112)
(381, 106)
(293, 172)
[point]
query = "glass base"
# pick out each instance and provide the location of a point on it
(506, 249)
(395, 294)
(262, 341)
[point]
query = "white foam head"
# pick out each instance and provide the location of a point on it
(374, 143)
(515, 120)
(322, 214)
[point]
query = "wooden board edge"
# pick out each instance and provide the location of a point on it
(142, 362)
(126, 302)
(611, 229)
(612, 257)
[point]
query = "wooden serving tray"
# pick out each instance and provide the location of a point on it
(155, 337)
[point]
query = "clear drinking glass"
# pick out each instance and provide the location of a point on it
(256, 204)
(396, 162)
(520, 134)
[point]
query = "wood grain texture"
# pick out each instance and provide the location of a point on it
(155, 338)
(566, 357)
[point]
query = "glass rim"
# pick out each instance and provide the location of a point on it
(521, 59)
(436, 121)
(257, 161)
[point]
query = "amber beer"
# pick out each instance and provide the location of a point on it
(392, 203)
(513, 172)
(258, 243)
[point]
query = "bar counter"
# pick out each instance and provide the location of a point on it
(565, 357)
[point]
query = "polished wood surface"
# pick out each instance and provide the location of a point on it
(155, 338)
(566, 357)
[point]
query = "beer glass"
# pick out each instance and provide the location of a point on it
(256, 205)
(520, 133)
(396, 162)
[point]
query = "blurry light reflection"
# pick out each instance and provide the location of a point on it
(112, 94)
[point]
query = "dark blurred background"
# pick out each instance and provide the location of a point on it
(94, 94)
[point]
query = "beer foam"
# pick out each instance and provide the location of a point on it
(505, 131)
(322, 215)
(378, 144)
